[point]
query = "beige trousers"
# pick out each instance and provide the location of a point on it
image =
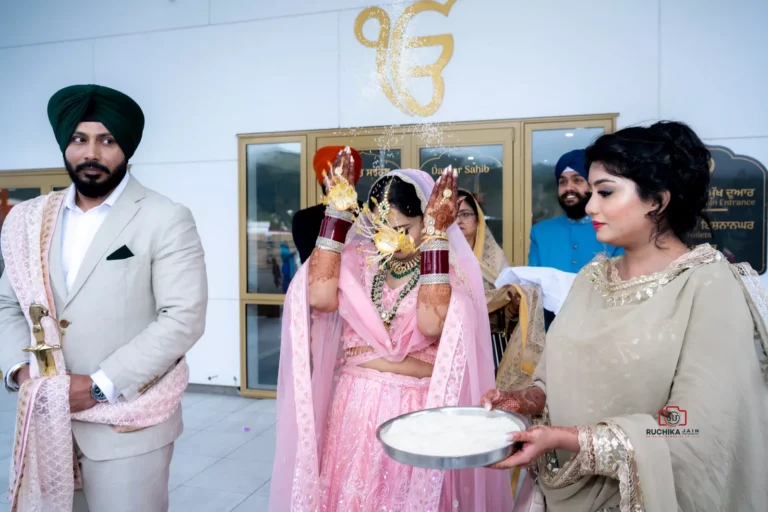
(125, 485)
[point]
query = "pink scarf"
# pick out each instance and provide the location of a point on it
(44, 472)
(311, 347)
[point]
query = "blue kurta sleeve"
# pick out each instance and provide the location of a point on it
(534, 260)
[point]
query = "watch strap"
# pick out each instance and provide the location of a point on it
(97, 393)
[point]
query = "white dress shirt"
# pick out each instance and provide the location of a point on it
(77, 231)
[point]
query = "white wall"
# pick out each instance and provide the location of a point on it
(205, 70)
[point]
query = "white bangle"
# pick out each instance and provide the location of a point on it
(338, 214)
(435, 244)
(435, 279)
(327, 244)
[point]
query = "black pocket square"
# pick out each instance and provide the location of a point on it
(122, 253)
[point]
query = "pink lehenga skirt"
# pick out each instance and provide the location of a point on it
(356, 473)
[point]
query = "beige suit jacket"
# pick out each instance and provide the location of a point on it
(133, 318)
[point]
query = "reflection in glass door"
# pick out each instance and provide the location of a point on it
(271, 176)
(483, 159)
(263, 324)
(273, 186)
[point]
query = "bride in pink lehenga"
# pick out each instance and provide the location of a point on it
(364, 342)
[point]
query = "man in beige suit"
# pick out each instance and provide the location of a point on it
(128, 279)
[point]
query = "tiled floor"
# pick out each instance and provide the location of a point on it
(222, 462)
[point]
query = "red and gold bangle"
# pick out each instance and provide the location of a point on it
(435, 262)
(333, 232)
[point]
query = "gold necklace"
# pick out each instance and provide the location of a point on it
(400, 269)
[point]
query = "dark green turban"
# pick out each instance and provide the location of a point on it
(77, 103)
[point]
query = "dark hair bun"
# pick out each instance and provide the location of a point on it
(688, 145)
(667, 156)
(402, 196)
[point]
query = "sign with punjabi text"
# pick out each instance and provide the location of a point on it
(736, 209)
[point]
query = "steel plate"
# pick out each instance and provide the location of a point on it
(478, 460)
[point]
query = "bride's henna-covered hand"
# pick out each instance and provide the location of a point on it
(433, 301)
(435, 290)
(529, 401)
(441, 208)
(514, 300)
(325, 261)
(323, 266)
(346, 162)
(323, 280)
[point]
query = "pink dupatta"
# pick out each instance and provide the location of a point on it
(311, 347)
(44, 473)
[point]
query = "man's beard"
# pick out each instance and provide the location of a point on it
(92, 188)
(575, 211)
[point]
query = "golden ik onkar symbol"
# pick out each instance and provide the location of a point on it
(395, 43)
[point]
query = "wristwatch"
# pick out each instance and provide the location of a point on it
(98, 394)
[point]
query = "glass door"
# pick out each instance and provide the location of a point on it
(271, 192)
(484, 159)
(545, 143)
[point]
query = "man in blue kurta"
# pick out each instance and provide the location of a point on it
(568, 242)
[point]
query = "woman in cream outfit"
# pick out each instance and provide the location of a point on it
(651, 393)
